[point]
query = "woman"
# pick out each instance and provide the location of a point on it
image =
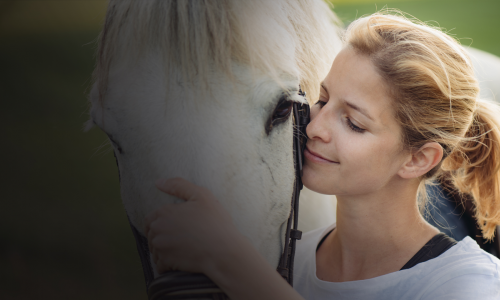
(398, 108)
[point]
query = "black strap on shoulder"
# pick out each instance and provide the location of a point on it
(322, 240)
(435, 247)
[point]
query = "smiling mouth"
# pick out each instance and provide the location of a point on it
(313, 156)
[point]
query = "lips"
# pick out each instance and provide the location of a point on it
(311, 155)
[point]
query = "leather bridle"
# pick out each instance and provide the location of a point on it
(184, 285)
(301, 119)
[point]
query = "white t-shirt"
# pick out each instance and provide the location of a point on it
(464, 271)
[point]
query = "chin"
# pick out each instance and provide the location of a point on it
(315, 182)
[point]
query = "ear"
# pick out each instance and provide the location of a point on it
(422, 161)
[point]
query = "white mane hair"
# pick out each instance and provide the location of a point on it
(196, 36)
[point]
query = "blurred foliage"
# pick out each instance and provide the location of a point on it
(474, 23)
(48, 16)
(64, 231)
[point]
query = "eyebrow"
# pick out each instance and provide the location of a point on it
(351, 105)
(361, 110)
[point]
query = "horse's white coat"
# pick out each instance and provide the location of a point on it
(217, 144)
(162, 125)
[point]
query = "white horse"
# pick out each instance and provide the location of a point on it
(204, 90)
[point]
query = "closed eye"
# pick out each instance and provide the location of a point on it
(353, 126)
(320, 103)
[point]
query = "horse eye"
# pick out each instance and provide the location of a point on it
(280, 114)
(282, 111)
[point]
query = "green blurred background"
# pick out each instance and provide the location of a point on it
(63, 231)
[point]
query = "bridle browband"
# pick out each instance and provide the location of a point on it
(184, 285)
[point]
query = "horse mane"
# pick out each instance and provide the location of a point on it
(199, 35)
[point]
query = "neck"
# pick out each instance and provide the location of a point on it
(376, 234)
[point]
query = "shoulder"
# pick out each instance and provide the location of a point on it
(469, 257)
(465, 271)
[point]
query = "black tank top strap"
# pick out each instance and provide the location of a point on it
(434, 247)
(323, 239)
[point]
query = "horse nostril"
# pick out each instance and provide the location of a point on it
(115, 144)
(117, 166)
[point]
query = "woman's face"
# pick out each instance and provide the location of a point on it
(354, 144)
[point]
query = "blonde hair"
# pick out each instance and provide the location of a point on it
(435, 92)
(196, 36)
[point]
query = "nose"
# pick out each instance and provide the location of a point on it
(319, 127)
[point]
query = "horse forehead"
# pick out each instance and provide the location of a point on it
(138, 85)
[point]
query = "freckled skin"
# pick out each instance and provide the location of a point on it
(367, 161)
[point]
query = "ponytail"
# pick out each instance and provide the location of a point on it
(474, 166)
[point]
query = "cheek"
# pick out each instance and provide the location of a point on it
(367, 154)
(313, 176)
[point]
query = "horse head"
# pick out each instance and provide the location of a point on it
(204, 90)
